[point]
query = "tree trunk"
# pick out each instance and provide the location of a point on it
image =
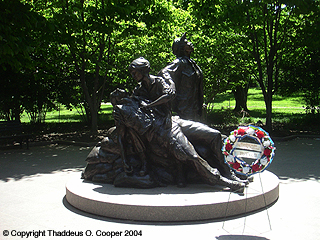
(241, 96)
(91, 101)
(94, 119)
(268, 102)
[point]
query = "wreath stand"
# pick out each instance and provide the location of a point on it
(246, 223)
(243, 144)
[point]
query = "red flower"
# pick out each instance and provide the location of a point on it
(256, 168)
(267, 152)
(241, 131)
(228, 146)
(260, 134)
(236, 165)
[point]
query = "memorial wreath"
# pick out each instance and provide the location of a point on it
(249, 142)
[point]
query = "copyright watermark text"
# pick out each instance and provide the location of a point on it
(69, 233)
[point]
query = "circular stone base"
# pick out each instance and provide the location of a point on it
(195, 202)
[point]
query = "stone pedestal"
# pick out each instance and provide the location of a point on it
(195, 202)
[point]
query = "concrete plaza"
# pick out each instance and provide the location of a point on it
(33, 205)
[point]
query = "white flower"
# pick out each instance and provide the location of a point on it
(250, 131)
(230, 158)
(246, 170)
(263, 161)
(232, 138)
(266, 143)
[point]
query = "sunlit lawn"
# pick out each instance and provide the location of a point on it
(293, 104)
(64, 115)
(285, 110)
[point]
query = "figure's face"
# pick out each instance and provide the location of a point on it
(121, 93)
(188, 47)
(117, 95)
(136, 75)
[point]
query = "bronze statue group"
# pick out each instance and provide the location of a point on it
(151, 147)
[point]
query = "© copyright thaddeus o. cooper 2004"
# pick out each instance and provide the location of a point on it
(70, 233)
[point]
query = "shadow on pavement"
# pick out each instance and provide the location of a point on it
(18, 163)
(240, 237)
(296, 160)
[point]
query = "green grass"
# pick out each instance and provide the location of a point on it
(65, 115)
(282, 106)
(288, 113)
(293, 104)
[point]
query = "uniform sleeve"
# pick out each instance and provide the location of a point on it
(167, 86)
(172, 71)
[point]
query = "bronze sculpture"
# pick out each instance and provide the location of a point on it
(188, 79)
(150, 148)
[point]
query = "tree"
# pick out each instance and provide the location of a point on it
(225, 65)
(17, 24)
(262, 28)
(300, 66)
(19, 27)
(94, 33)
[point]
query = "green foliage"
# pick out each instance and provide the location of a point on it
(256, 35)
(301, 63)
(288, 113)
(102, 37)
(76, 52)
(223, 116)
(17, 26)
(26, 72)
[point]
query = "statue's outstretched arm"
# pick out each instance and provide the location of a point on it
(161, 100)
